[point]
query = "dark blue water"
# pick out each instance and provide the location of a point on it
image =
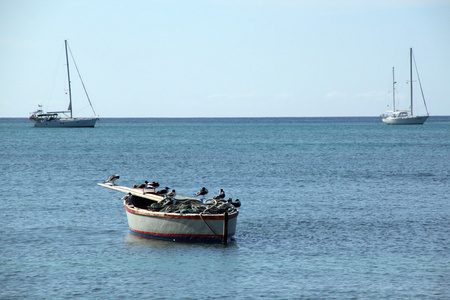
(333, 208)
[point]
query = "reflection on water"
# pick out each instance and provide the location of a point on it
(134, 240)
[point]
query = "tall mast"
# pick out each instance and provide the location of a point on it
(411, 77)
(68, 78)
(393, 89)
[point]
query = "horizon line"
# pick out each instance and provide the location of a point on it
(230, 117)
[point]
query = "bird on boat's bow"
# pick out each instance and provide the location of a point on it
(112, 178)
(142, 185)
(163, 191)
(202, 192)
(220, 196)
(153, 185)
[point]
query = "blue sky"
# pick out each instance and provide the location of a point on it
(209, 58)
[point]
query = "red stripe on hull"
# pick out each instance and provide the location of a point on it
(178, 235)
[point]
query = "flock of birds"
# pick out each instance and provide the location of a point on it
(170, 194)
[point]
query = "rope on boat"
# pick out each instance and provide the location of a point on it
(209, 226)
(79, 75)
(420, 84)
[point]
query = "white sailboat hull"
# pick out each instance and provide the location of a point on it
(67, 122)
(409, 120)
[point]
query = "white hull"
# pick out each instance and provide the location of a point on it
(67, 122)
(177, 227)
(410, 120)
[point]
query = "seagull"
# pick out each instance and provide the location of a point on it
(153, 185)
(143, 185)
(202, 192)
(171, 194)
(127, 198)
(237, 203)
(220, 196)
(163, 191)
(112, 178)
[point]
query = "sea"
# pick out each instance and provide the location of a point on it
(332, 208)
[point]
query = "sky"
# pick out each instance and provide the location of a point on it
(236, 58)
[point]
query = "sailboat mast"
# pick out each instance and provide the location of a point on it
(68, 78)
(411, 78)
(393, 89)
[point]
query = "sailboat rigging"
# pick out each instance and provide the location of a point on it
(54, 118)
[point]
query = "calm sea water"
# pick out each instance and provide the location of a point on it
(333, 208)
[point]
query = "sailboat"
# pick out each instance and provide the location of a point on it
(63, 118)
(405, 117)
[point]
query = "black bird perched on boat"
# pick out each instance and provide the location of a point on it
(171, 194)
(202, 192)
(153, 185)
(220, 196)
(112, 178)
(237, 203)
(163, 191)
(142, 185)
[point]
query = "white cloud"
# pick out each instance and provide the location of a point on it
(335, 94)
(234, 96)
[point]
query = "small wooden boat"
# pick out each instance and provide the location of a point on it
(178, 218)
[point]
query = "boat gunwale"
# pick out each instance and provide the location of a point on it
(195, 216)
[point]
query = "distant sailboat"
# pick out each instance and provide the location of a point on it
(61, 118)
(405, 117)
